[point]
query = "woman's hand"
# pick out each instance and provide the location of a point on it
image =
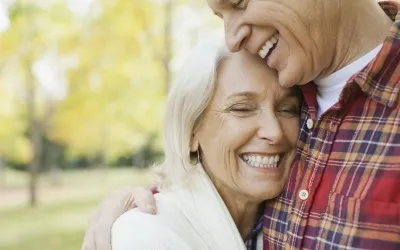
(98, 232)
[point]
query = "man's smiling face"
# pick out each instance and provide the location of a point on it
(290, 35)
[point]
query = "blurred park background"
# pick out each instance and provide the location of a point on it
(82, 90)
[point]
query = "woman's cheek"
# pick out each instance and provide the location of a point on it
(291, 128)
(242, 126)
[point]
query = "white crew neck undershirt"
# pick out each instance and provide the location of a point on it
(329, 88)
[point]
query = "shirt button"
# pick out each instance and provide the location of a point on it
(303, 194)
(310, 123)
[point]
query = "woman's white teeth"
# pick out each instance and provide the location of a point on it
(268, 45)
(262, 161)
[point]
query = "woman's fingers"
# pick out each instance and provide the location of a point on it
(144, 200)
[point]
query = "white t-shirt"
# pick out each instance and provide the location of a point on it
(329, 88)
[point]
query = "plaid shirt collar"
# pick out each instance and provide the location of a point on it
(384, 86)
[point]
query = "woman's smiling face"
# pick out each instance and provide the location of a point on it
(248, 135)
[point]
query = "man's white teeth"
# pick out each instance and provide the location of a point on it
(262, 53)
(262, 161)
(268, 45)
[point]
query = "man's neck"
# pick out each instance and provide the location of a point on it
(363, 25)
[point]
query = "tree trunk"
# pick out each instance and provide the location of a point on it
(51, 153)
(140, 159)
(167, 43)
(2, 173)
(35, 140)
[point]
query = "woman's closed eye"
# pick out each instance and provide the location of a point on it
(289, 110)
(242, 109)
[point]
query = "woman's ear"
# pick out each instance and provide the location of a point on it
(194, 144)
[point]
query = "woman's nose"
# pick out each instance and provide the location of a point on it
(270, 129)
(236, 32)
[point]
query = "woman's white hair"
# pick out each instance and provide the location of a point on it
(188, 99)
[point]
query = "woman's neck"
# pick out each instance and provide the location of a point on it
(244, 211)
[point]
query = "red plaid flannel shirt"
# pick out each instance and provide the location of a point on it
(343, 190)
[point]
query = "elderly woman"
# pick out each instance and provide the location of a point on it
(229, 141)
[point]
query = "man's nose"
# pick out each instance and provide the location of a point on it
(236, 32)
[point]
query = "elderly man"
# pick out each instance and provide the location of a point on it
(343, 191)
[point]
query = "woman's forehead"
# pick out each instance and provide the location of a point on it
(245, 60)
(241, 70)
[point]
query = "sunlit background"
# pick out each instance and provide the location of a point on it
(83, 85)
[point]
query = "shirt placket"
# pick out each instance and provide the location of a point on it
(321, 134)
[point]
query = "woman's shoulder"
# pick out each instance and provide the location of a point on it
(165, 230)
(133, 230)
(136, 230)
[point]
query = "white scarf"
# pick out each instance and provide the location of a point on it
(190, 217)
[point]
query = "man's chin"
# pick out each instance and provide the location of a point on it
(286, 80)
(290, 76)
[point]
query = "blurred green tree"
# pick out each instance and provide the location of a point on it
(88, 79)
(116, 89)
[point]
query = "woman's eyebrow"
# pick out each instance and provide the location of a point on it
(247, 94)
(289, 92)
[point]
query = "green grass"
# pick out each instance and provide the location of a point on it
(59, 220)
